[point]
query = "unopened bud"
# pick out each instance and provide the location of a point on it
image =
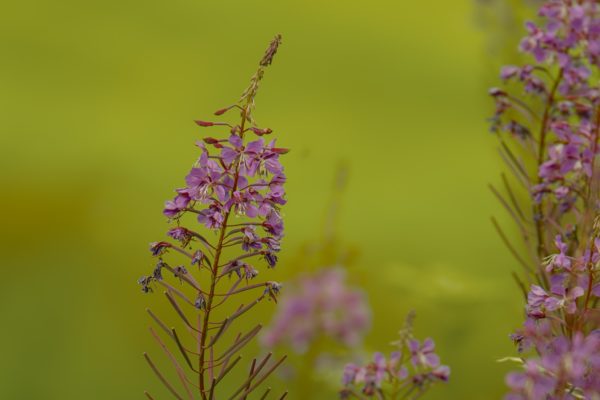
(261, 132)
(223, 110)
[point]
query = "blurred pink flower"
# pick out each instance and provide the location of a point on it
(321, 304)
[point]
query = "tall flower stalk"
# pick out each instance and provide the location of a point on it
(235, 189)
(549, 138)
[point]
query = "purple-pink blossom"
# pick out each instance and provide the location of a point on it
(414, 366)
(557, 125)
(423, 354)
(321, 304)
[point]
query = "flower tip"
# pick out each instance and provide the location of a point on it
(261, 132)
(222, 111)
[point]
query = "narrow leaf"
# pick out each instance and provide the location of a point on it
(211, 394)
(162, 378)
(264, 396)
(181, 314)
(246, 308)
(513, 198)
(510, 246)
(228, 368)
(520, 284)
(182, 350)
(254, 372)
(265, 376)
(250, 374)
(214, 339)
(178, 368)
(241, 343)
(508, 208)
(226, 361)
(177, 292)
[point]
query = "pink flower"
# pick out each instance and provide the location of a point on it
(319, 304)
(423, 354)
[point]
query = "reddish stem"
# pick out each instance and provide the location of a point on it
(539, 208)
(211, 294)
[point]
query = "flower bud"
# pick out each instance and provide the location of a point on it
(204, 123)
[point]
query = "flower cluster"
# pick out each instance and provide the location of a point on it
(566, 50)
(567, 368)
(561, 328)
(406, 373)
(239, 176)
(320, 304)
(242, 179)
(234, 181)
(558, 125)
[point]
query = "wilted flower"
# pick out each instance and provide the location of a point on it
(197, 257)
(181, 234)
(145, 282)
(159, 248)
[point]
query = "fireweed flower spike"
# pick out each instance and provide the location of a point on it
(235, 189)
(406, 373)
(555, 127)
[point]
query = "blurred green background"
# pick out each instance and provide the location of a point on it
(97, 104)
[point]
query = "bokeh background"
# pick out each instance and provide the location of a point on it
(96, 109)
